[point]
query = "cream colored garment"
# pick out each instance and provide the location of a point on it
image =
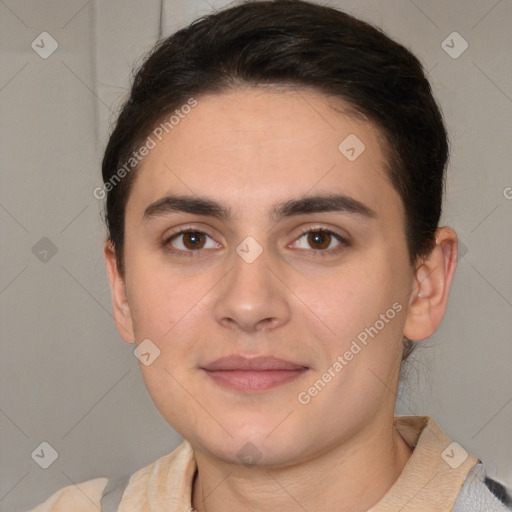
(428, 483)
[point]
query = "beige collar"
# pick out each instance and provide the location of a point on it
(433, 475)
(430, 481)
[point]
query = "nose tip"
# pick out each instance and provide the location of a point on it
(251, 298)
(247, 323)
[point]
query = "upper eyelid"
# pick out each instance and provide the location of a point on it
(187, 229)
(322, 228)
(341, 238)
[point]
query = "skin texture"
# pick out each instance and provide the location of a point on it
(250, 149)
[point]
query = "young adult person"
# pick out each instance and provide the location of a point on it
(273, 192)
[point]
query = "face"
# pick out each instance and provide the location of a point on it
(274, 292)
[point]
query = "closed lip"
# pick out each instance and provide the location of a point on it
(259, 363)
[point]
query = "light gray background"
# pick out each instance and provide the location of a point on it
(66, 376)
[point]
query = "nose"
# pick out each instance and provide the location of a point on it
(252, 298)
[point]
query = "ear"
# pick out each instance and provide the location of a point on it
(120, 306)
(431, 287)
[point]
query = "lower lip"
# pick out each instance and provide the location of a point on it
(242, 380)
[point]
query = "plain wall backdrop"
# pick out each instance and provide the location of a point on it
(69, 380)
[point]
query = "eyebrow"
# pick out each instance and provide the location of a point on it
(298, 206)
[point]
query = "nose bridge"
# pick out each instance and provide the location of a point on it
(251, 297)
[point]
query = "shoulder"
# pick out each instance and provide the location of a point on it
(83, 497)
(164, 483)
(94, 495)
(480, 493)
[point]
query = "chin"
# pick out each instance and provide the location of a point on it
(254, 453)
(253, 443)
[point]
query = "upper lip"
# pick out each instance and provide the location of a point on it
(260, 363)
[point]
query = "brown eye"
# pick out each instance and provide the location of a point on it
(190, 241)
(193, 240)
(321, 242)
(319, 239)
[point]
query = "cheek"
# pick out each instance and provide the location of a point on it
(173, 310)
(365, 312)
(149, 304)
(162, 299)
(354, 297)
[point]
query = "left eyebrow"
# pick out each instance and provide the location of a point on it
(297, 206)
(321, 203)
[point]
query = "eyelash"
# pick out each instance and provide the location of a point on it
(319, 252)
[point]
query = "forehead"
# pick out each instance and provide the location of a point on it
(251, 148)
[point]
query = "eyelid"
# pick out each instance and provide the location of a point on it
(326, 229)
(343, 240)
(186, 229)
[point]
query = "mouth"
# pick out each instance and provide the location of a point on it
(252, 374)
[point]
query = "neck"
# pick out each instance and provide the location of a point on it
(334, 481)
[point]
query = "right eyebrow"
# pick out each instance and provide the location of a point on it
(187, 204)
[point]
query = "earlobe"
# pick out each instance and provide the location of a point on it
(430, 287)
(120, 305)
